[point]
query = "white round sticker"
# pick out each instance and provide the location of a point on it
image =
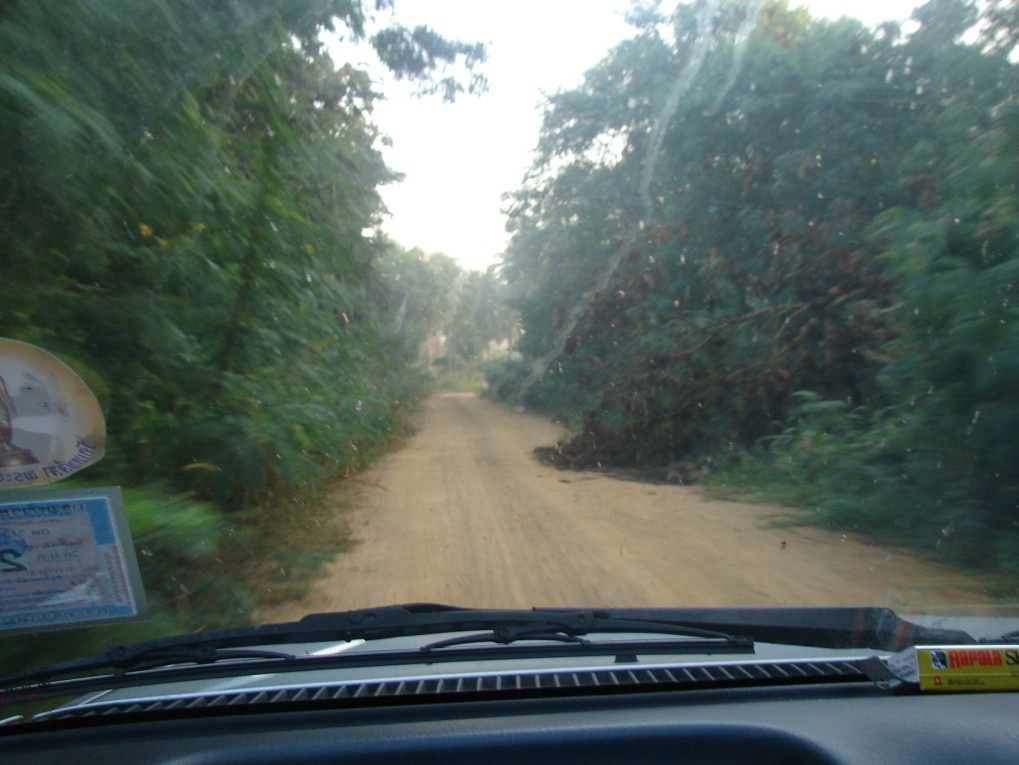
(51, 425)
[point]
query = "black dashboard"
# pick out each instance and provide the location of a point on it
(815, 724)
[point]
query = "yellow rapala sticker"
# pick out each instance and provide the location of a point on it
(968, 668)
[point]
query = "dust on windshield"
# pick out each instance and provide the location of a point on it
(743, 330)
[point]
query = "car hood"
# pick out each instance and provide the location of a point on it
(983, 627)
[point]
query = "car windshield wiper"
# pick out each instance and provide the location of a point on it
(564, 632)
(721, 630)
(203, 653)
(503, 626)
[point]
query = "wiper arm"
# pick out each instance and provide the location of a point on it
(123, 659)
(867, 628)
(836, 627)
(365, 624)
(565, 633)
(507, 636)
(135, 658)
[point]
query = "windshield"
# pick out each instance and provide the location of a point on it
(569, 304)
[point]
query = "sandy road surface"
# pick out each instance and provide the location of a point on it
(464, 514)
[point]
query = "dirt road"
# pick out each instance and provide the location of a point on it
(464, 514)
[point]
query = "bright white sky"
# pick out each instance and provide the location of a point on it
(459, 159)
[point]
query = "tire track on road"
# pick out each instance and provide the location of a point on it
(464, 514)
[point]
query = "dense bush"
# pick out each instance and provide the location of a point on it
(185, 193)
(808, 254)
(186, 186)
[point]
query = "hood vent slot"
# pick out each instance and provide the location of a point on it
(495, 685)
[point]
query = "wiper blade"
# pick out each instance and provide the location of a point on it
(38, 684)
(365, 624)
(203, 653)
(565, 633)
(871, 628)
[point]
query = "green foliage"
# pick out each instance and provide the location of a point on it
(183, 550)
(184, 193)
(836, 214)
(185, 189)
(417, 54)
(1000, 30)
(937, 467)
(750, 277)
(479, 314)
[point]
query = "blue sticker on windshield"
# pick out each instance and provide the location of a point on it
(66, 560)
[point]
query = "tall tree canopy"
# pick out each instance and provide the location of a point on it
(186, 188)
(827, 213)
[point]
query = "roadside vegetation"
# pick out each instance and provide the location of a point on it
(798, 278)
(795, 279)
(189, 206)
